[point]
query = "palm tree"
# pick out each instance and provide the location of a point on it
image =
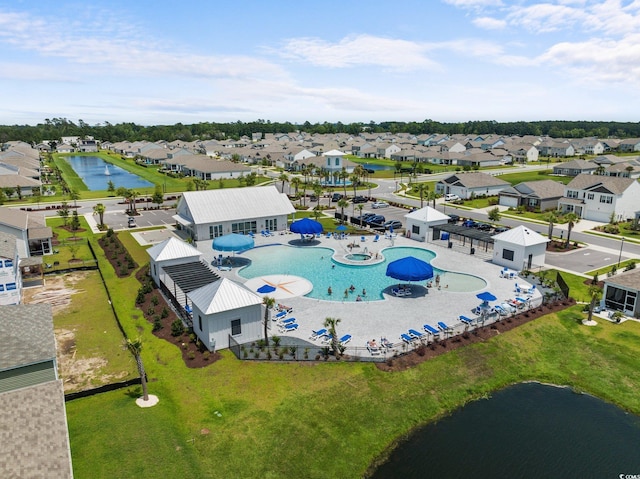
(99, 210)
(135, 347)
(343, 175)
(63, 212)
(330, 324)
(342, 203)
(284, 178)
(551, 217)
(295, 181)
(354, 181)
(317, 190)
(595, 294)
(268, 304)
(572, 220)
(360, 208)
(422, 188)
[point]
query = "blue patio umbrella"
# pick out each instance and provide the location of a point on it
(341, 228)
(266, 288)
(410, 269)
(306, 226)
(486, 296)
(233, 242)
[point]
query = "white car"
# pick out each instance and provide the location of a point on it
(451, 197)
(379, 204)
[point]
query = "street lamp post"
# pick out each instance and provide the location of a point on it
(620, 255)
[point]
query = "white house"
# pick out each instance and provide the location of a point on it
(10, 274)
(597, 197)
(474, 183)
(420, 222)
(212, 213)
(225, 308)
(33, 236)
(519, 248)
(170, 252)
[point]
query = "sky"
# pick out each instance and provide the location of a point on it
(159, 62)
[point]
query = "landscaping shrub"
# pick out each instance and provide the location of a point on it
(177, 328)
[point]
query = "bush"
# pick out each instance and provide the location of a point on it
(155, 300)
(191, 355)
(140, 297)
(177, 328)
(164, 313)
(157, 324)
(206, 355)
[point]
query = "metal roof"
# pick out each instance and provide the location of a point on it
(224, 295)
(172, 248)
(466, 232)
(521, 235)
(191, 276)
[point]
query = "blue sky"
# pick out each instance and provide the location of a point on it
(159, 62)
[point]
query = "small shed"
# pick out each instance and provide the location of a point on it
(519, 248)
(223, 309)
(170, 252)
(419, 223)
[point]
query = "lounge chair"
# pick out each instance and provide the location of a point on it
(318, 334)
(508, 307)
(362, 239)
(386, 343)
(345, 339)
(406, 338)
(373, 348)
(376, 238)
(431, 330)
(500, 310)
(415, 334)
(282, 307)
(250, 233)
(280, 315)
(443, 327)
(285, 328)
(286, 321)
(466, 321)
(329, 235)
(326, 338)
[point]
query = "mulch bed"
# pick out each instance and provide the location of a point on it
(117, 255)
(423, 353)
(558, 246)
(192, 355)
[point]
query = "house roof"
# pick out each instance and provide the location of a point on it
(334, 153)
(172, 248)
(7, 245)
(541, 189)
(475, 180)
(577, 165)
(627, 279)
(27, 335)
(614, 184)
(223, 295)
(215, 206)
(427, 214)
(522, 236)
(33, 431)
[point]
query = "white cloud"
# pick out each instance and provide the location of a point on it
(546, 17)
(359, 50)
(474, 3)
(489, 23)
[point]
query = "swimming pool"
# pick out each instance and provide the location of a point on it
(316, 265)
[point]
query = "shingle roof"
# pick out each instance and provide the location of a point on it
(27, 335)
(628, 279)
(475, 180)
(614, 184)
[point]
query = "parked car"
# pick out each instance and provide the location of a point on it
(454, 218)
(131, 223)
(359, 199)
(336, 197)
(451, 197)
(395, 224)
(376, 220)
(469, 224)
(501, 229)
(380, 204)
(483, 226)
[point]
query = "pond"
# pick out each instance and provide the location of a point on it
(528, 430)
(96, 174)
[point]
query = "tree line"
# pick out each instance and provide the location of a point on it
(54, 129)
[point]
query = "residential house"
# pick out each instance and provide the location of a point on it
(629, 145)
(598, 197)
(621, 293)
(88, 145)
(542, 195)
(33, 236)
(10, 273)
(557, 149)
(575, 168)
(33, 423)
(466, 185)
(212, 213)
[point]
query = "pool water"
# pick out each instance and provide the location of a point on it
(316, 265)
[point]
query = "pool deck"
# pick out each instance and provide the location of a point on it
(392, 316)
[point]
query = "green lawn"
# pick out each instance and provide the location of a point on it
(252, 419)
(329, 420)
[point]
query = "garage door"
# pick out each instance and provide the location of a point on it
(508, 201)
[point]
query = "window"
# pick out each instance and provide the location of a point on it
(606, 199)
(242, 227)
(590, 196)
(572, 194)
(8, 263)
(507, 254)
(337, 161)
(236, 329)
(415, 229)
(11, 286)
(200, 322)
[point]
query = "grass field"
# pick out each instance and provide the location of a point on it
(252, 419)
